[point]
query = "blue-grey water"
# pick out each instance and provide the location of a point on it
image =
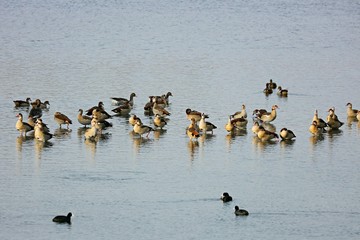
(213, 56)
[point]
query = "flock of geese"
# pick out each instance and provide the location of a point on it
(97, 117)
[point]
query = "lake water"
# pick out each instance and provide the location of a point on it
(213, 56)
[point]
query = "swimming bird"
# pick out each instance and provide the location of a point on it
(286, 134)
(206, 126)
(36, 111)
(192, 131)
(123, 110)
(241, 113)
(99, 107)
(156, 109)
(22, 103)
(193, 114)
(42, 105)
(332, 120)
(122, 101)
(240, 212)
(92, 133)
(63, 219)
(40, 133)
(282, 92)
(166, 97)
(271, 84)
(265, 135)
(22, 127)
(350, 111)
(269, 116)
(267, 90)
(62, 119)
(141, 129)
(226, 197)
(315, 129)
(159, 121)
(239, 122)
(83, 119)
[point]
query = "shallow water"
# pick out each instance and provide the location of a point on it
(213, 56)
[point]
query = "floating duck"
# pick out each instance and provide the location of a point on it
(282, 92)
(286, 134)
(63, 219)
(22, 103)
(315, 129)
(226, 197)
(240, 212)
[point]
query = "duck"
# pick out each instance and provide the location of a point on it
(62, 119)
(40, 133)
(255, 128)
(320, 122)
(265, 135)
(286, 134)
(22, 127)
(166, 97)
(315, 129)
(239, 122)
(350, 111)
(229, 125)
(226, 197)
(282, 92)
(192, 131)
(159, 121)
(269, 116)
(271, 84)
(63, 219)
(267, 90)
(83, 119)
(206, 126)
(240, 212)
(332, 121)
(99, 107)
(42, 105)
(193, 114)
(141, 129)
(241, 113)
(123, 110)
(122, 101)
(156, 109)
(22, 103)
(92, 133)
(132, 119)
(148, 107)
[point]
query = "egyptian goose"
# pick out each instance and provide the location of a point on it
(271, 84)
(63, 219)
(282, 92)
(132, 119)
(91, 133)
(36, 111)
(192, 131)
(121, 101)
(332, 121)
(206, 126)
(159, 121)
(255, 128)
(240, 212)
(166, 97)
(99, 107)
(332, 114)
(286, 134)
(350, 111)
(45, 105)
(22, 127)
(100, 114)
(40, 133)
(33, 123)
(226, 197)
(156, 109)
(193, 114)
(319, 121)
(148, 107)
(239, 122)
(83, 119)
(315, 129)
(229, 126)
(62, 119)
(269, 116)
(265, 135)
(42, 105)
(358, 116)
(22, 103)
(240, 114)
(101, 123)
(141, 129)
(122, 110)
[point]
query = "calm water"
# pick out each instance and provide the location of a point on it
(213, 56)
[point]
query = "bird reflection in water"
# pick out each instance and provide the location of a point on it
(139, 142)
(91, 146)
(40, 146)
(193, 147)
(62, 133)
(262, 145)
(316, 139)
(158, 133)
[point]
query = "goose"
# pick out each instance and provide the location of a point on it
(158, 109)
(269, 116)
(91, 133)
(239, 122)
(192, 131)
(358, 116)
(42, 105)
(332, 121)
(229, 126)
(45, 105)
(255, 128)
(121, 101)
(132, 119)
(226, 197)
(240, 114)
(100, 114)
(350, 111)
(286, 134)
(33, 123)
(240, 212)
(265, 135)
(101, 124)
(315, 129)
(206, 126)
(319, 121)
(40, 133)
(63, 219)
(122, 110)
(193, 114)
(141, 129)
(22, 127)
(62, 119)
(36, 111)
(22, 103)
(99, 107)
(83, 119)
(332, 113)
(148, 106)
(166, 97)
(282, 92)
(159, 121)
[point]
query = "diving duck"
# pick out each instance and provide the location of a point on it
(63, 219)
(206, 126)
(240, 212)
(83, 119)
(271, 84)
(22, 127)
(62, 119)
(122, 101)
(265, 135)
(350, 111)
(226, 197)
(282, 92)
(286, 134)
(22, 103)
